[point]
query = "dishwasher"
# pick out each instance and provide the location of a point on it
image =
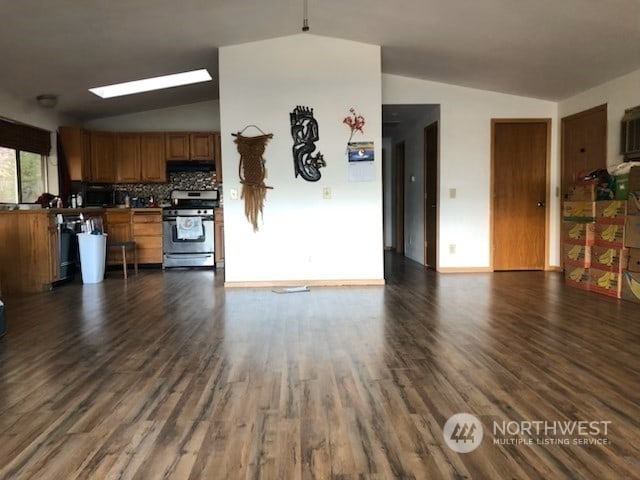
(69, 225)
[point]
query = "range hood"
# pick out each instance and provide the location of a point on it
(174, 166)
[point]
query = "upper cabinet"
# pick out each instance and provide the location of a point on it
(76, 145)
(177, 145)
(190, 146)
(201, 146)
(140, 157)
(154, 164)
(127, 157)
(102, 157)
(134, 157)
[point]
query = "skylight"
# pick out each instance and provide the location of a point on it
(154, 83)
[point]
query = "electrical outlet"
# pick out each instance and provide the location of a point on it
(452, 193)
(410, 239)
(233, 193)
(326, 193)
(452, 248)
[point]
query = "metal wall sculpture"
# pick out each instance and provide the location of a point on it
(304, 131)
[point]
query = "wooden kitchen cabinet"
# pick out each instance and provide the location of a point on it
(154, 160)
(191, 146)
(146, 227)
(102, 157)
(54, 253)
(29, 253)
(76, 145)
(218, 236)
(177, 146)
(128, 157)
(140, 157)
(201, 146)
(117, 225)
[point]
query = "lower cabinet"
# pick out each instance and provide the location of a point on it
(218, 236)
(147, 233)
(118, 228)
(143, 226)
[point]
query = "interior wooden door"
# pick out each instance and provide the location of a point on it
(584, 144)
(431, 194)
(399, 197)
(519, 194)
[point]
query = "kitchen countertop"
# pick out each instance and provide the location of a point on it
(89, 210)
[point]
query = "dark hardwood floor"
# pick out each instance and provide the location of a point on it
(169, 375)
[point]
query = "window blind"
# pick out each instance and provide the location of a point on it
(24, 137)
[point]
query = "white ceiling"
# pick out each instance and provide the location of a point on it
(549, 49)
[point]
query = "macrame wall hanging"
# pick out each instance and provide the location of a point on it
(252, 173)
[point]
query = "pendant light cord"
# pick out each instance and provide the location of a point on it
(305, 15)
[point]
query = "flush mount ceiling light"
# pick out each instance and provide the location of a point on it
(154, 83)
(47, 100)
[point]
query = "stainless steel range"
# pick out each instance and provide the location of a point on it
(187, 229)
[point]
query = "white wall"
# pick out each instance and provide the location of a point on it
(303, 236)
(465, 160)
(30, 113)
(619, 94)
(203, 116)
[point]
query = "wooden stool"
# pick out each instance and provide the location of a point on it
(123, 246)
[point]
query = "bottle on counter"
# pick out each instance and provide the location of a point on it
(79, 200)
(74, 202)
(127, 200)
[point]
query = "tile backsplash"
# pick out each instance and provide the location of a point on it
(177, 181)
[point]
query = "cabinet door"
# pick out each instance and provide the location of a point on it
(201, 145)
(153, 158)
(54, 258)
(118, 228)
(217, 156)
(218, 236)
(102, 155)
(127, 158)
(177, 145)
(147, 233)
(76, 145)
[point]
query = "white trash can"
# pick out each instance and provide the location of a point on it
(93, 250)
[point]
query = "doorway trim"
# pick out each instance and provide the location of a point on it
(399, 171)
(547, 122)
(435, 124)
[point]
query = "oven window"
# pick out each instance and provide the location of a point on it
(175, 239)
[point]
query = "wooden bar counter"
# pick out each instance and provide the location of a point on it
(29, 248)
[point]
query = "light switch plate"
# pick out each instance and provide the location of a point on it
(233, 193)
(326, 193)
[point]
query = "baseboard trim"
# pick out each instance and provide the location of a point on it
(553, 268)
(310, 283)
(465, 270)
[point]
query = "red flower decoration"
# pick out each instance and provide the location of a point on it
(355, 122)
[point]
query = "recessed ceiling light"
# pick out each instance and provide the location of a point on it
(154, 83)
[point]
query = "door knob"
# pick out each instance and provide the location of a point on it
(541, 204)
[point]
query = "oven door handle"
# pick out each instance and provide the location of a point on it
(189, 255)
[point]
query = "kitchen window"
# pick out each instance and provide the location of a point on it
(22, 176)
(23, 160)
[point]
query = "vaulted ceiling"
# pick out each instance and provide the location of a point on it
(546, 49)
